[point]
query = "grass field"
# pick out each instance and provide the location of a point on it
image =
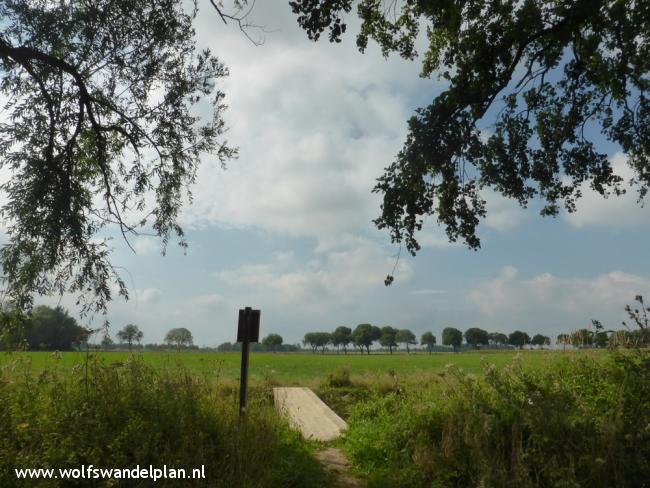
(296, 368)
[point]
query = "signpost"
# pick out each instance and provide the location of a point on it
(248, 330)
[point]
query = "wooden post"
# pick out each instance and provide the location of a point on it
(248, 330)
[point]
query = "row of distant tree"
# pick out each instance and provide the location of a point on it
(53, 329)
(364, 336)
(50, 328)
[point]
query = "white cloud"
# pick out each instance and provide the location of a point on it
(144, 245)
(315, 124)
(148, 295)
(503, 214)
(548, 300)
(427, 292)
(334, 276)
(616, 212)
(210, 301)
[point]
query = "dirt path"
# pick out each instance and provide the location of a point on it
(335, 463)
(318, 422)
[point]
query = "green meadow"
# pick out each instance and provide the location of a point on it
(305, 369)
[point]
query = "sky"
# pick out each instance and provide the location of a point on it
(287, 229)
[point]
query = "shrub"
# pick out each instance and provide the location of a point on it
(130, 414)
(338, 378)
(582, 422)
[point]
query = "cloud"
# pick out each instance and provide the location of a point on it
(210, 301)
(334, 276)
(614, 212)
(145, 245)
(315, 124)
(427, 292)
(552, 301)
(503, 214)
(148, 295)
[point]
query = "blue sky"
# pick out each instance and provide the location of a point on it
(287, 227)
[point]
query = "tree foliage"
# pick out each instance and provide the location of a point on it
(108, 106)
(52, 329)
(318, 339)
(540, 340)
(518, 339)
(364, 335)
(452, 337)
(476, 337)
(179, 336)
(273, 341)
(342, 336)
(129, 334)
(388, 338)
(530, 88)
(497, 338)
(406, 337)
(429, 340)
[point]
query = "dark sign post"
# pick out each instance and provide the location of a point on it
(248, 330)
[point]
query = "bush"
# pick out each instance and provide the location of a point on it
(130, 414)
(338, 378)
(583, 422)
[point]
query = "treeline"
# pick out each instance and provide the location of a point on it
(53, 329)
(46, 328)
(364, 336)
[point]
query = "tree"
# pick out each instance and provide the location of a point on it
(540, 340)
(107, 343)
(179, 336)
(518, 339)
(53, 329)
(476, 336)
(111, 107)
(429, 340)
(342, 336)
(130, 333)
(582, 338)
(497, 338)
(273, 341)
(310, 340)
(318, 339)
(364, 335)
(535, 73)
(452, 337)
(406, 337)
(387, 338)
(563, 339)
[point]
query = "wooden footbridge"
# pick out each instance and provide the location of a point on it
(308, 413)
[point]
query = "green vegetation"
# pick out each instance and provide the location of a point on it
(579, 422)
(303, 369)
(123, 414)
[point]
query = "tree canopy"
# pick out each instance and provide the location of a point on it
(273, 341)
(342, 336)
(530, 88)
(52, 329)
(518, 339)
(364, 335)
(452, 337)
(388, 338)
(129, 334)
(406, 337)
(429, 340)
(110, 106)
(476, 336)
(179, 336)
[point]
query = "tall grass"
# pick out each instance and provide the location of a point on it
(582, 422)
(127, 414)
